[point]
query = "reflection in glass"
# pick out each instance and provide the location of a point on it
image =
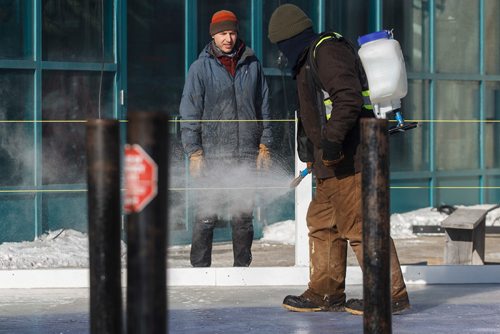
(15, 34)
(492, 193)
(64, 210)
(492, 130)
(411, 28)
(155, 56)
(155, 74)
(492, 31)
(457, 142)
(457, 33)
(339, 17)
(71, 30)
(16, 139)
(464, 196)
(70, 96)
(410, 151)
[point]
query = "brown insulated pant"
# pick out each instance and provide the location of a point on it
(334, 218)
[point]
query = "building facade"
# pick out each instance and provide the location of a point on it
(63, 62)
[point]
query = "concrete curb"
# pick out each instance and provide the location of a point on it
(252, 276)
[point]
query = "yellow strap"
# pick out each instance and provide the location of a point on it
(366, 100)
(324, 39)
(366, 93)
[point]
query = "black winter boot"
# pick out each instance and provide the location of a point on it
(242, 228)
(356, 306)
(201, 245)
(311, 302)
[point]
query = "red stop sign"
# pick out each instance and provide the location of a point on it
(141, 178)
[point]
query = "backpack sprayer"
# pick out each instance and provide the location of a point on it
(384, 66)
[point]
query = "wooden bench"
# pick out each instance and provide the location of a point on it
(465, 236)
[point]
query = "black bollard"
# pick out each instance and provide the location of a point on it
(104, 216)
(147, 132)
(376, 226)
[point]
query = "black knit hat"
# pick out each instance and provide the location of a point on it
(287, 21)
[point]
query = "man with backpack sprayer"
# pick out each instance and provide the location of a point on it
(332, 145)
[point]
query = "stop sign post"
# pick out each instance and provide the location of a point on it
(146, 204)
(141, 178)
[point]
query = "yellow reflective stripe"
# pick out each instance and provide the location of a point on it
(366, 100)
(322, 40)
(319, 42)
(328, 106)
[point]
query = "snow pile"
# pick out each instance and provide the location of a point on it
(282, 232)
(69, 248)
(402, 223)
(56, 249)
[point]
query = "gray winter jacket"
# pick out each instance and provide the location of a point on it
(238, 105)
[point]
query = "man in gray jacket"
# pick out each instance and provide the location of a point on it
(225, 127)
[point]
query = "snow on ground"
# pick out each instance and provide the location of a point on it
(281, 232)
(69, 248)
(56, 249)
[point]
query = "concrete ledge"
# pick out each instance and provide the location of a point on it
(452, 274)
(252, 276)
(44, 278)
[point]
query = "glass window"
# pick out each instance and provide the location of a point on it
(492, 130)
(71, 31)
(68, 96)
(64, 210)
(15, 32)
(411, 30)
(457, 138)
(463, 195)
(16, 139)
(155, 74)
(492, 31)
(206, 9)
(282, 102)
(348, 18)
(155, 62)
(410, 151)
(457, 36)
(17, 217)
(399, 196)
(492, 194)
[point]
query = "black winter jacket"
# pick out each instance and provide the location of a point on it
(341, 76)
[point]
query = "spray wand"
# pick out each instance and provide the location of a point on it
(295, 182)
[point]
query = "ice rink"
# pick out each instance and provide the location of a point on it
(471, 308)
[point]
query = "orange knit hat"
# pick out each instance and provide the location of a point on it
(223, 20)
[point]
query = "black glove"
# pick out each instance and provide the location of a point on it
(332, 153)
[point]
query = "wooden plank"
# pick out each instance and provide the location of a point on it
(466, 219)
(478, 243)
(458, 247)
(437, 229)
